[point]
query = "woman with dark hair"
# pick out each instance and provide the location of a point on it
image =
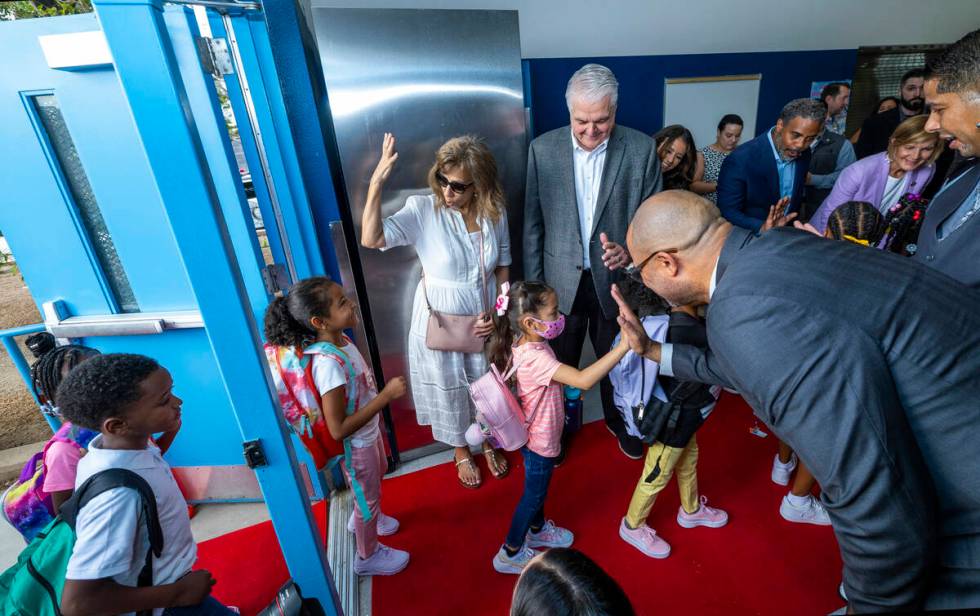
(567, 582)
(676, 151)
(886, 104)
(711, 156)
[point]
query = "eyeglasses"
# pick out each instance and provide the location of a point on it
(635, 272)
(457, 187)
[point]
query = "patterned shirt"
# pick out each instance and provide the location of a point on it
(837, 123)
(536, 365)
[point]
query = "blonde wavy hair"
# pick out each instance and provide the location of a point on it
(472, 154)
(911, 131)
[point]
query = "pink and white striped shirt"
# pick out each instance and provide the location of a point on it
(539, 394)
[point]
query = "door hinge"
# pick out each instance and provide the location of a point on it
(254, 454)
(214, 56)
(275, 278)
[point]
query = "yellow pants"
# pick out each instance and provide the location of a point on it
(683, 461)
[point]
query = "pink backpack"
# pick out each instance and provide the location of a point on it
(498, 413)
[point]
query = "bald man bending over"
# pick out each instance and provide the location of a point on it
(867, 364)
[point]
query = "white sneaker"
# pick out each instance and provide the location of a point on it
(781, 472)
(504, 563)
(810, 513)
(550, 536)
(387, 525)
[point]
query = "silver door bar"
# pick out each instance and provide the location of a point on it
(219, 4)
(62, 326)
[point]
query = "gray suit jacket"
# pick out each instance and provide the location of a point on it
(957, 254)
(867, 364)
(552, 238)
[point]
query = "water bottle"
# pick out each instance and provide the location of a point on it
(573, 409)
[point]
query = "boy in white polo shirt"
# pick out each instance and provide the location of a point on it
(128, 398)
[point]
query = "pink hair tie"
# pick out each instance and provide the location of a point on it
(503, 300)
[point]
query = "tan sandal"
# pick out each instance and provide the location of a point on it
(474, 468)
(496, 462)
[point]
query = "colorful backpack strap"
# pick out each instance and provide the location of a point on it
(332, 351)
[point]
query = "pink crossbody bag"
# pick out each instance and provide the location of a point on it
(454, 332)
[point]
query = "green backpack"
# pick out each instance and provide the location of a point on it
(33, 586)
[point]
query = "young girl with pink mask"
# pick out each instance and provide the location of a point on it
(526, 319)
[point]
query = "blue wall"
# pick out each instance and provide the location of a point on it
(785, 76)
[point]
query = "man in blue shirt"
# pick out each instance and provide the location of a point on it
(770, 171)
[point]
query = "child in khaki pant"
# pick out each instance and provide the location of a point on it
(675, 449)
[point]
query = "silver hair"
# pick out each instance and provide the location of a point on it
(592, 83)
(806, 108)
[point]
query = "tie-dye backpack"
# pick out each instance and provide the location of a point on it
(26, 506)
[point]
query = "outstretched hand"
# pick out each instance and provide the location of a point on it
(387, 161)
(777, 216)
(630, 327)
(614, 256)
(805, 226)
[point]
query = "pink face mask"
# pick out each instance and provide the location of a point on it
(553, 329)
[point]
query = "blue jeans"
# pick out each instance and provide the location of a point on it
(530, 509)
(209, 607)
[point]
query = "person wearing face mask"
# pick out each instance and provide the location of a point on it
(678, 157)
(459, 231)
(710, 157)
(878, 127)
(905, 167)
(584, 183)
(949, 239)
(766, 175)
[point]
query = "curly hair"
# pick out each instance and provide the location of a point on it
(857, 220)
(287, 319)
(641, 298)
(524, 297)
(566, 581)
(53, 365)
(103, 387)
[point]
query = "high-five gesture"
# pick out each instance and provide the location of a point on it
(387, 161)
(631, 329)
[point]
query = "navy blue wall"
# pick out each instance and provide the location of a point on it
(785, 75)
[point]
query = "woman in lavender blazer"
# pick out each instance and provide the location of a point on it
(881, 180)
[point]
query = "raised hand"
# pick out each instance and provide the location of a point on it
(631, 329)
(614, 256)
(387, 161)
(777, 216)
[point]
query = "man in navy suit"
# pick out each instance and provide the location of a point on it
(769, 172)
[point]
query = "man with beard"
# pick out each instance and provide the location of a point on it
(864, 362)
(878, 128)
(949, 239)
(768, 173)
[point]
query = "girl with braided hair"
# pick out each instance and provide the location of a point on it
(858, 222)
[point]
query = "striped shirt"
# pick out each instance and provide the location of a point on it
(536, 365)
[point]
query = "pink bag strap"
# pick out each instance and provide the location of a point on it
(506, 377)
(483, 280)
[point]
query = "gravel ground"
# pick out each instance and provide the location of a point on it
(20, 420)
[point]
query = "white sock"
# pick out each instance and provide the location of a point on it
(798, 501)
(786, 464)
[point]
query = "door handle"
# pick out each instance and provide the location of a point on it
(61, 325)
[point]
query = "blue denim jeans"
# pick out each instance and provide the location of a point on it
(209, 607)
(530, 509)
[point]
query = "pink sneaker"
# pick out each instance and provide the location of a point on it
(387, 525)
(704, 516)
(384, 561)
(644, 539)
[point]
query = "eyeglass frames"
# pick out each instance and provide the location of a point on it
(457, 187)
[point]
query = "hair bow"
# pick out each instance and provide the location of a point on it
(503, 300)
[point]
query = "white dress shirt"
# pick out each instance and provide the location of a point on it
(588, 168)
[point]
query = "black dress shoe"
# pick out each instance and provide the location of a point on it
(631, 446)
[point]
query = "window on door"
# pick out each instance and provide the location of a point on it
(82, 202)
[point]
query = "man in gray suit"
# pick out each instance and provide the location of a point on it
(584, 183)
(949, 239)
(864, 362)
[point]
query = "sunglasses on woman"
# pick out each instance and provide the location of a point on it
(457, 187)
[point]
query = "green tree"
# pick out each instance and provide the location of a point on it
(26, 9)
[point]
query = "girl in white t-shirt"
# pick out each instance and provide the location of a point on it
(312, 317)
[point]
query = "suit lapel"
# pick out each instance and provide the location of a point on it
(738, 239)
(772, 174)
(566, 163)
(610, 172)
(952, 196)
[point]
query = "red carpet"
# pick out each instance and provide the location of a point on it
(758, 564)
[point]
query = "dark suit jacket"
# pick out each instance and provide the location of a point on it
(876, 130)
(552, 238)
(958, 253)
(748, 184)
(866, 364)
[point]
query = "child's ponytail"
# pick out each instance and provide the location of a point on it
(287, 319)
(516, 301)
